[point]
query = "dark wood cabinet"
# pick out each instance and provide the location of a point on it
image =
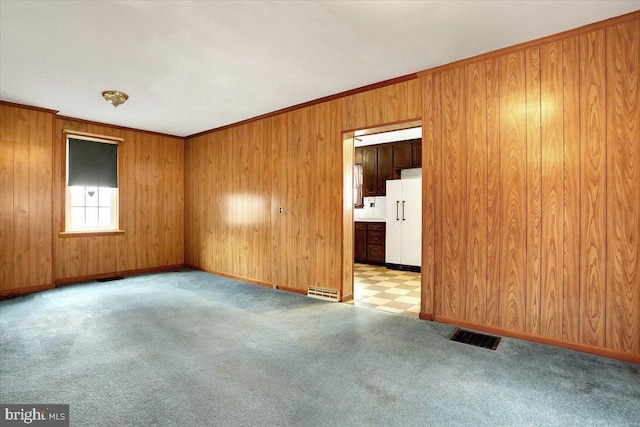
(385, 161)
(369, 242)
(402, 155)
(407, 154)
(370, 170)
(385, 167)
(360, 242)
(416, 153)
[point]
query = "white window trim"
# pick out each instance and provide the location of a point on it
(70, 231)
(114, 214)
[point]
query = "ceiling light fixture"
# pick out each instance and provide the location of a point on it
(114, 97)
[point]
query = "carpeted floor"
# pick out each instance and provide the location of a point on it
(193, 349)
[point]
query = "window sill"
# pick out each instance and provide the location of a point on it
(91, 233)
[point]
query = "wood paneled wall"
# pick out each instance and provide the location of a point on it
(389, 104)
(26, 152)
(532, 190)
(151, 187)
(227, 200)
(236, 181)
(307, 184)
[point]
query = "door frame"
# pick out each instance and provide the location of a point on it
(348, 158)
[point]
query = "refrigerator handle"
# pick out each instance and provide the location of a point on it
(403, 202)
(397, 207)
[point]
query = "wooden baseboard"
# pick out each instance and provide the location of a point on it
(425, 316)
(89, 277)
(28, 290)
(294, 290)
(233, 276)
(585, 348)
(347, 298)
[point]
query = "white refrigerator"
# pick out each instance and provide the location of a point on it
(404, 222)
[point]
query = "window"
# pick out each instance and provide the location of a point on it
(357, 186)
(91, 197)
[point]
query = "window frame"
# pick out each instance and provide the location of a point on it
(358, 179)
(67, 231)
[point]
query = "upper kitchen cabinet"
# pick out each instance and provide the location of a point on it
(370, 170)
(416, 153)
(385, 161)
(406, 155)
(385, 167)
(402, 155)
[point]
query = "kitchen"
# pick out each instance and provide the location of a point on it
(388, 221)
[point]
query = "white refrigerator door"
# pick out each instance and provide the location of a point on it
(393, 237)
(411, 214)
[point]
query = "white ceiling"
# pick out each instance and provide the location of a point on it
(190, 66)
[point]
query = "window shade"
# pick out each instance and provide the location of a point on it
(93, 164)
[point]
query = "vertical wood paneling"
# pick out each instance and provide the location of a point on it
(623, 183)
(454, 192)
(494, 193)
(388, 104)
(39, 169)
(26, 149)
(414, 98)
(534, 191)
(571, 190)
(348, 160)
(395, 101)
(7, 184)
(151, 206)
(21, 253)
(431, 140)
(476, 257)
(329, 158)
(303, 139)
(280, 249)
(593, 188)
(26, 258)
(513, 143)
(560, 187)
(552, 190)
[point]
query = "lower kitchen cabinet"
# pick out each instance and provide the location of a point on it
(360, 242)
(369, 242)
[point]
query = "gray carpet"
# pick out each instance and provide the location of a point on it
(192, 349)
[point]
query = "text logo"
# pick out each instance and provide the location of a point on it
(38, 415)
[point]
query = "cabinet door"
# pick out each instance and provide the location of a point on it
(385, 167)
(360, 246)
(370, 171)
(402, 155)
(375, 254)
(416, 153)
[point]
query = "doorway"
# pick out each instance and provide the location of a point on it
(383, 218)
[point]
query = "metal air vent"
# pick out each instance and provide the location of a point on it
(323, 293)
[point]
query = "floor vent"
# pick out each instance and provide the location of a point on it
(323, 293)
(110, 279)
(474, 338)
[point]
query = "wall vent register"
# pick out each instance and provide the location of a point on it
(323, 293)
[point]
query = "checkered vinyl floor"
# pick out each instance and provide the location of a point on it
(388, 290)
